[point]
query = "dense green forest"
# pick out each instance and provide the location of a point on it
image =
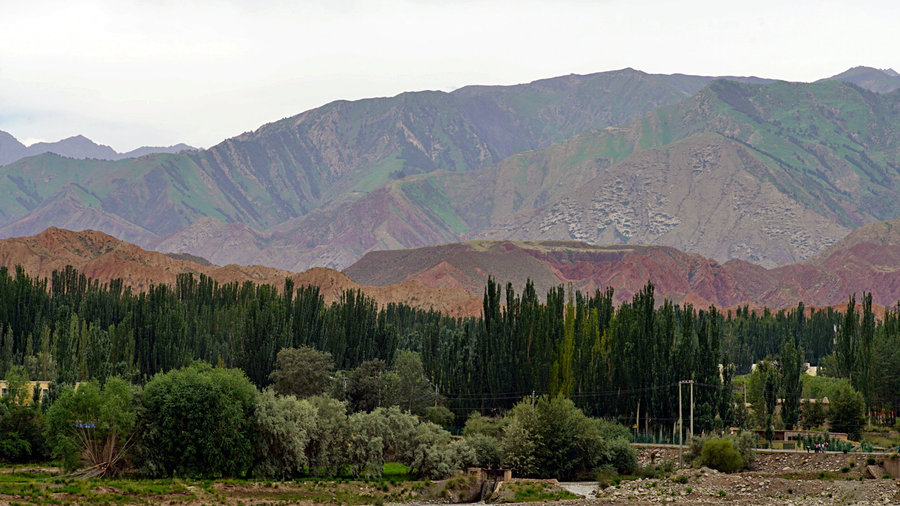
(622, 362)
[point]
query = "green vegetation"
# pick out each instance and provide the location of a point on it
(285, 426)
(349, 382)
(847, 412)
(198, 422)
(302, 371)
(292, 166)
(554, 438)
(22, 424)
(46, 488)
(428, 197)
(720, 454)
(94, 427)
(728, 454)
(525, 491)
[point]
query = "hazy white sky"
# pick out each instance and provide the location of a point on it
(129, 73)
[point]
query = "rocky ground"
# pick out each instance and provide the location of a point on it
(776, 478)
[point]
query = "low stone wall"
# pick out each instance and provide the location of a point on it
(892, 466)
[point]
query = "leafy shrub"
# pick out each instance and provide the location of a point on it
(365, 448)
(649, 472)
(667, 466)
(439, 415)
(22, 434)
(518, 445)
(433, 458)
(846, 411)
(480, 424)
(398, 432)
(328, 443)
(553, 438)
(621, 455)
(487, 450)
(610, 429)
(464, 453)
(744, 443)
(284, 425)
(720, 454)
(94, 426)
(198, 421)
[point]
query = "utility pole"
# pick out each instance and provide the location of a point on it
(681, 420)
(692, 407)
(637, 420)
(680, 428)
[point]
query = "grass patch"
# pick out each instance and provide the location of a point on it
(535, 491)
(46, 488)
(396, 471)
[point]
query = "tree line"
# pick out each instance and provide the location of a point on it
(619, 361)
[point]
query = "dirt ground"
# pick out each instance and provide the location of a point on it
(776, 478)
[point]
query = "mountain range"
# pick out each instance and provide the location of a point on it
(78, 146)
(103, 257)
(451, 277)
(877, 80)
(867, 260)
(729, 168)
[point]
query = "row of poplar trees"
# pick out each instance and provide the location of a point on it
(622, 361)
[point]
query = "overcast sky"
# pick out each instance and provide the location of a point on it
(128, 73)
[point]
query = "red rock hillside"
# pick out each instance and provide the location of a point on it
(104, 257)
(866, 260)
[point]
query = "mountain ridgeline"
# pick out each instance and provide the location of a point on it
(289, 167)
(766, 173)
(743, 168)
(867, 260)
(79, 146)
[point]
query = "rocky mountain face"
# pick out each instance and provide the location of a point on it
(866, 260)
(79, 146)
(338, 152)
(768, 172)
(103, 257)
(872, 79)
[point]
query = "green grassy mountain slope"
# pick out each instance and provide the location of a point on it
(339, 152)
(770, 173)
